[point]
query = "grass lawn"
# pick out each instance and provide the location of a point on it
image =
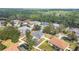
(41, 40)
(8, 43)
(46, 47)
(72, 44)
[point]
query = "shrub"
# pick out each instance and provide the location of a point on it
(2, 47)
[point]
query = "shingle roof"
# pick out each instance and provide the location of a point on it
(23, 29)
(58, 42)
(76, 30)
(37, 34)
(44, 23)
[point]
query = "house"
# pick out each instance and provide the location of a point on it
(24, 23)
(36, 22)
(60, 35)
(56, 25)
(37, 34)
(23, 29)
(60, 44)
(44, 24)
(17, 23)
(76, 30)
(2, 23)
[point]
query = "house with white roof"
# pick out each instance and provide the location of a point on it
(2, 23)
(23, 29)
(17, 23)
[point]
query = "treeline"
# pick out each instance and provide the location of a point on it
(68, 17)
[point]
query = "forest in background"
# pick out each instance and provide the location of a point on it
(67, 17)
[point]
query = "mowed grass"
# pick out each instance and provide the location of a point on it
(46, 47)
(72, 44)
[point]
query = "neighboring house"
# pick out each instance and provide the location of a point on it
(2, 23)
(60, 35)
(23, 29)
(56, 25)
(17, 23)
(23, 23)
(36, 22)
(60, 44)
(63, 36)
(37, 35)
(76, 30)
(44, 24)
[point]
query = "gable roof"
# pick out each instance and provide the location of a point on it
(76, 30)
(23, 29)
(58, 42)
(37, 34)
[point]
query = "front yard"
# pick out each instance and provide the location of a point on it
(46, 47)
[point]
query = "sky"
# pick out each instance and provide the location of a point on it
(39, 3)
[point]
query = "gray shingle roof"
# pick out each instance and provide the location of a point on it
(37, 34)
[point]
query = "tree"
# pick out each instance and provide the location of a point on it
(37, 27)
(49, 29)
(29, 40)
(73, 36)
(10, 33)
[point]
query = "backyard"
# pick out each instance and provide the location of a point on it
(46, 47)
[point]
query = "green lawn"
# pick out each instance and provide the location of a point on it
(41, 40)
(72, 44)
(46, 47)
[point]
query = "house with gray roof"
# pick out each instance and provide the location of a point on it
(44, 24)
(23, 29)
(76, 30)
(2, 23)
(37, 34)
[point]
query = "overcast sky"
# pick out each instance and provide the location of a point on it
(39, 3)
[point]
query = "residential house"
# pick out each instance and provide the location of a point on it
(36, 22)
(76, 30)
(56, 25)
(59, 44)
(37, 35)
(60, 35)
(23, 29)
(44, 24)
(17, 23)
(2, 23)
